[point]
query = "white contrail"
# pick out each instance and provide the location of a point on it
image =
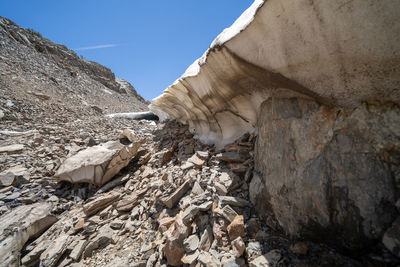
(95, 47)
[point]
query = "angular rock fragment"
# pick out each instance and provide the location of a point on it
(175, 235)
(165, 223)
(171, 201)
(231, 157)
(113, 183)
(78, 250)
(55, 250)
(20, 224)
(236, 228)
(238, 247)
(190, 258)
(7, 178)
(196, 160)
(207, 259)
(128, 134)
(127, 203)
(103, 238)
(228, 213)
(267, 260)
(191, 243)
(99, 203)
(189, 213)
(206, 239)
(233, 201)
(234, 263)
(97, 164)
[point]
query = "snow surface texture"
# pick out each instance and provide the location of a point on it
(336, 52)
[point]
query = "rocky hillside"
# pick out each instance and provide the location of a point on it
(301, 174)
(34, 70)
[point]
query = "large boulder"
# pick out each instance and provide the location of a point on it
(328, 174)
(18, 226)
(97, 164)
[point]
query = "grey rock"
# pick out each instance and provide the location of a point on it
(12, 197)
(206, 239)
(253, 250)
(11, 148)
(7, 178)
(97, 164)
(238, 247)
(102, 239)
(208, 259)
(267, 260)
(20, 224)
(190, 258)
(191, 243)
(197, 190)
(174, 198)
(190, 213)
(99, 203)
(221, 189)
(54, 251)
(339, 191)
(240, 262)
(78, 250)
(233, 201)
(229, 213)
(206, 206)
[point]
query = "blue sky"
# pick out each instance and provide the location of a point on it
(148, 43)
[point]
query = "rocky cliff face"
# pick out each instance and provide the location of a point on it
(318, 81)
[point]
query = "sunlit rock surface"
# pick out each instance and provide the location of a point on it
(337, 52)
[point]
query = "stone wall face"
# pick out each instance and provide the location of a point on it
(328, 173)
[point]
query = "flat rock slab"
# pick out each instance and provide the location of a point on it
(11, 148)
(171, 201)
(99, 203)
(97, 164)
(18, 226)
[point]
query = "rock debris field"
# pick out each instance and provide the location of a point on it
(176, 202)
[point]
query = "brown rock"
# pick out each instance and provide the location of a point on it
(171, 201)
(165, 223)
(300, 248)
(236, 228)
(231, 157)
(99, 203)
(175, 235)
(196, 160)
(127, 203)
(167, 156)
